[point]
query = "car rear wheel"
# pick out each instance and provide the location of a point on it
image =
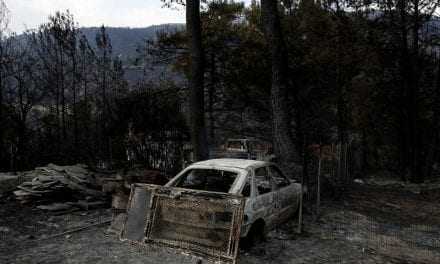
(255, 235)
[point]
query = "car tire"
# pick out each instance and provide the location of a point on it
(255, 235)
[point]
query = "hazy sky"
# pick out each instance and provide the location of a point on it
(28, 14)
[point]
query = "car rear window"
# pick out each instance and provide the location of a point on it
(207, 180)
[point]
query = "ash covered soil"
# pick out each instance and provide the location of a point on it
(370, 225)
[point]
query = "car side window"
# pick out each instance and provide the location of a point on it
(262, 181)
(246, 192)
(278, 177)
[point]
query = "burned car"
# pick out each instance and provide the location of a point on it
(245, 148)
(208, 206)
(271, 198)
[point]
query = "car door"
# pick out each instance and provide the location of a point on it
(285, 194)
(263, 202)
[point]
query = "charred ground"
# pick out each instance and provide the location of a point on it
(373, 224)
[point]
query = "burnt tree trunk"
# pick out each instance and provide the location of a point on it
(196, 80)
(63, 95)
(57, 110)
(340, 89)
(433, 153)
(416, 157)
(211, 94)
(410, 74)
(405, 146)
(75, 112)
(1, 110)
(282, 139)
(85, 143)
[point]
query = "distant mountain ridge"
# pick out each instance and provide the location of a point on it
(126, 40)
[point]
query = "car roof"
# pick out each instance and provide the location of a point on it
(235, 163)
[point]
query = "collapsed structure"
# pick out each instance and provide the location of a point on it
(61, 184)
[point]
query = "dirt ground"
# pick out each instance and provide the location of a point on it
(370, 225)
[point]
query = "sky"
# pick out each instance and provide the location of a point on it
(28, 14)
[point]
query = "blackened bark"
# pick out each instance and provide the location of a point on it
(75, 112)
(341, 103)
(301, 145)
(196, 80)
(1, 113)
(63, 94)
(405, 146)
(410, 74)
(58, 125)
(416, 161)
(23, 104)
(432, 151)
(211, 94)
(86, 116)
(283, 144)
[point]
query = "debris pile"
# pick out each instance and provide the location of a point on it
(8, 182)
(68, 188)
(63, 184)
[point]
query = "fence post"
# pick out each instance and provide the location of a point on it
(318, 197)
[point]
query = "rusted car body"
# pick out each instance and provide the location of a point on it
(208, 206)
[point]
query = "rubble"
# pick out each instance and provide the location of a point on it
(8, 182)
(63, 184)
(62, 190)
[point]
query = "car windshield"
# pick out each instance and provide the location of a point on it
(207, 180)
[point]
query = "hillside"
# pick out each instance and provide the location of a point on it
(125, 41)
